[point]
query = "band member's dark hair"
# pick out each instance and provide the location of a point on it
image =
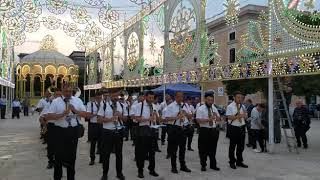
(57, 89)
(178, 93)
(236, 93)
(99, 93)
(149, 93)
(209, 94)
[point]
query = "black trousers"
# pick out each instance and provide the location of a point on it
(300, 133)
(26, 111)
(207, 145)
(163, 133)
(3, 111)
(16, 112)
(94, 136)
(189, 133)
(65, 151)
(258, 135)
(237, 142)
(112, 141)
(251, 140)
(128, 128)
(176, 139)
(51, 135)
(133, 131)
(144, 147)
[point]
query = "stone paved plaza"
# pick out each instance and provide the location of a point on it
(23, 157)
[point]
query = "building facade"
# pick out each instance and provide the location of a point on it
(229, 40)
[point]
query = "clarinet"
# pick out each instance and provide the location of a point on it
(114, 110)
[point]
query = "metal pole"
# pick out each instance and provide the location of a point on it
(270, 109)
(7, 99)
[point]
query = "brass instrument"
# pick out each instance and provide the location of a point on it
(114, 110)
(184, 115)
(212, 117)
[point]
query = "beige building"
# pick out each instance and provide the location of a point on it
(228, 39)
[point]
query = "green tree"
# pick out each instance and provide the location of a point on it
(306, 86)
(247, 86)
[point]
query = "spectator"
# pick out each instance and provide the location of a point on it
(249, 106)
(16, 108)
(257, 127)
(26, 104)
(3, 106)
(301, 122)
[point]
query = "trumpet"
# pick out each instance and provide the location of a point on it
(182, 116)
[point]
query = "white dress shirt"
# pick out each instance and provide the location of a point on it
(125, 108)
(232, 111)
(107, 111)
(202, 113)
(16, 104)
(93, 107)
(58, 106)
(145, 112)
(42, 103)
(255, 119)
(172, 110)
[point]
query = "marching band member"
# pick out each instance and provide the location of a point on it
(236, 115)
(189, 124)
(65, 113)
(144, 147)
(156, 106)
(110, 115)
(135, 124)
(175, 114)
(40, 106)
(125, 108)
(51, 130)
(163, 105)
(207, 117)
(94, 128)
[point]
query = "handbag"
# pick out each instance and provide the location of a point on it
(228, 133)
(80, 129)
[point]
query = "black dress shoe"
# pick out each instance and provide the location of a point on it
(50, 166)
(185, 169)
(104, 177)
(203, 168)
(98, 152)
(233, 166)
(174, 171)
(242, 165)
(190, 149)
(305, 146)
(140, 175)
(158, 150)
(91, 163)
(153, 173)
(215, 168)
(162, 143)
(121, 177)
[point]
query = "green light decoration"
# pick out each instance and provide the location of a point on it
(209, 50)
(254, 43)
(4, 39)
(158, 16)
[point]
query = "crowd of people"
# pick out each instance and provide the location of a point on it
(113, 118)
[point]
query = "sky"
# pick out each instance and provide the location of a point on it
(66, 44)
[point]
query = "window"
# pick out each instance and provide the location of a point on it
(232, 55)
(232, 36)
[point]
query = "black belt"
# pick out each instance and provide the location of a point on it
(174, 126)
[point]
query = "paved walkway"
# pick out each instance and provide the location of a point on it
(23, 157)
